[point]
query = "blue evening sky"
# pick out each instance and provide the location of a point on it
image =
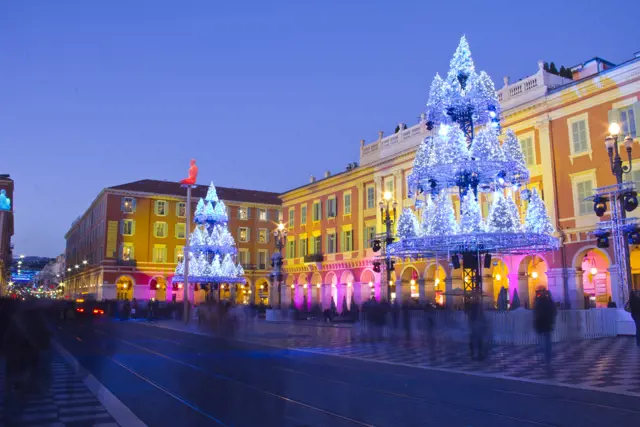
(262, 93)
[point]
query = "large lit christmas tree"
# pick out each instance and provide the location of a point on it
(211, 250)
(462, 157)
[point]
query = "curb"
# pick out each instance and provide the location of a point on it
(118, 410)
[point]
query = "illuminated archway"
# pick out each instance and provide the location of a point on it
(368, 283)
(435, 277)
(330, 290)
(500, 276)
(261, 295)
(594, 264)
(409, 280)
(535, 269)
(124, 288)
(316, 291)
(158, 288)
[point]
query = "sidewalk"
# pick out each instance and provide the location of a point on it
(607, 364)
(56, 398)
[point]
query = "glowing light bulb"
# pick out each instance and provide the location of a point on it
(534, 274)
(594, 271)
(498, 277)
(371, 284)
(444, 130)
(318, 286)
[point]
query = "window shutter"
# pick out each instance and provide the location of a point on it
(248, 234)
(133, 205)
(122, 204)
(248, 213)
(238, 233)
(133, 227)
(266, 214)
(122, 227)
(613, 116)
(636, 118)
(238, 213)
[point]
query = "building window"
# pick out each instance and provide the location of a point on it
(127, 252)
(627, 122)
(388, 185)
(292, 217)
(181, 209)
(303, 247)
(128, 227)
(331, 243)
(371, 197)
(291, 249)
(262, 260)
(303, 215)
(584, 189)
(280, 215)
(369, 235)
(159, 253)
(316, 241)
(528, 151)
(243, 234)
(263, 235)
(244, 213)
(317, 211)
(160, 207)
(179, 254)
(262, 215)
(347, 204)
(243, 257)
(160, 229)
(347, 241)
(331, 208)
(579, 136)
(181, 230)
(128, 205)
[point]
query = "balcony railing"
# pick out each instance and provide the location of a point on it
(314, 258)
(127, 262)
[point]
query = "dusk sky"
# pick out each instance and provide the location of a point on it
(263, 94)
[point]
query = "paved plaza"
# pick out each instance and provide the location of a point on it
(606, 364)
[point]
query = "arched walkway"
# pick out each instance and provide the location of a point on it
(500, 277)
(409, 283)
(434, 280)
(534, 268)
(345, 291)
(368, 285)
(330, 290)
(592, 265)
(158, 288)
(124, 288)
(316, 289)
(262, 292)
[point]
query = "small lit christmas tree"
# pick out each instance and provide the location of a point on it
(470, 217)
(450, 145)
(537, 219)
(486, 146)
(436, 105)
(444, 220)
(513, 153)
(503, 216)
(408, 226)
(427, 217)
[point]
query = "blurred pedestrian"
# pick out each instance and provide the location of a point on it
(544, 315)
(634, 308)
(477, 328)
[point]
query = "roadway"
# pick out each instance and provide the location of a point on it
(168, 377)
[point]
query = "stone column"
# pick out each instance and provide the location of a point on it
(576, 288)
(422, 291)
(555, 284)
(378, 194)
(357, 293)
(399, 189)
(448, 287)
(232, 293)
(399, 291)
(521, 283)
(382, 287)
(617, 293)
(546, 161)
(488, 289)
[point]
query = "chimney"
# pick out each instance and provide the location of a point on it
(327, 174)
(312, 179)
(380, 134)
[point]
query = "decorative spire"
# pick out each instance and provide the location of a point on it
(461, 65)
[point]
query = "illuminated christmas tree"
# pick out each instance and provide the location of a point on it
(211, 248)
(537, 219)
(503, 216)
(443, 220)
(470, 216)
(407, 224)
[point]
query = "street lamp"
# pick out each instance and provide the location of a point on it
(629, 200)
(280, 235)
(387, 210)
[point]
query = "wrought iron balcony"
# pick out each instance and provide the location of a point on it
(126, 262)
(314, 257)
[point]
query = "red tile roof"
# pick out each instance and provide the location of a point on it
(224, 193)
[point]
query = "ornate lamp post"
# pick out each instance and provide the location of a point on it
(280, 235)
(387, 210)
(618, 170)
